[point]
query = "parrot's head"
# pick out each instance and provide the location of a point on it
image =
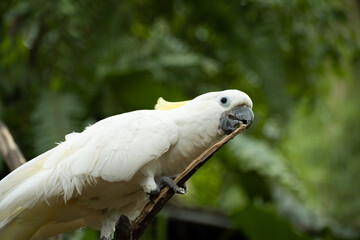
(228, 108)
(233, 107)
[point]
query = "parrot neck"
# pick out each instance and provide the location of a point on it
(195, 135)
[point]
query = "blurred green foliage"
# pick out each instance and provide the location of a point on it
(66, 64)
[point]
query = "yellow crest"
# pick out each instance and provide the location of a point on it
(165, 105)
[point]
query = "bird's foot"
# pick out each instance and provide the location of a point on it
(167, 181)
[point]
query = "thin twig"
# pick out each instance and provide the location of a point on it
(153, 208)
(9, 149)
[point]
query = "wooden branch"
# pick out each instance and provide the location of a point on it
(151, 209)
(9, 149)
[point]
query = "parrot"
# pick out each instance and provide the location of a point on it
(115, 166)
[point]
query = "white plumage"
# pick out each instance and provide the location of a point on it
(94, 176)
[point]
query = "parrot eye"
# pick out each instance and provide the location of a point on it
(224, 101)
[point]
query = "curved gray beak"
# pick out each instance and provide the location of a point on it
(231, 119)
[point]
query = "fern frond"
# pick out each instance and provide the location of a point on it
(54, 116)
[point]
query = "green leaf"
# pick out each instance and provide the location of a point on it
(256, 155)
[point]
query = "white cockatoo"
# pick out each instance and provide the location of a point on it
(112, 167)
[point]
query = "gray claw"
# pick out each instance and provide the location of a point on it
(185, 188)
(169, 181)
(181, 191)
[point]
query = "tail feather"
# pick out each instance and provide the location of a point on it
(11, 218)
(23, 196)
(21, 174)
(21, 225)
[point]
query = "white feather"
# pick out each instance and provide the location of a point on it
(108, 166)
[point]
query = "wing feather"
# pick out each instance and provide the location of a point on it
(113, 149)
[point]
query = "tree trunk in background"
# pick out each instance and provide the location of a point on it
(9, 149)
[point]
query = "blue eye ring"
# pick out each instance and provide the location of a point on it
(224, 101)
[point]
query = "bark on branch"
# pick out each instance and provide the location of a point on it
(151, 209)
(9, 149)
